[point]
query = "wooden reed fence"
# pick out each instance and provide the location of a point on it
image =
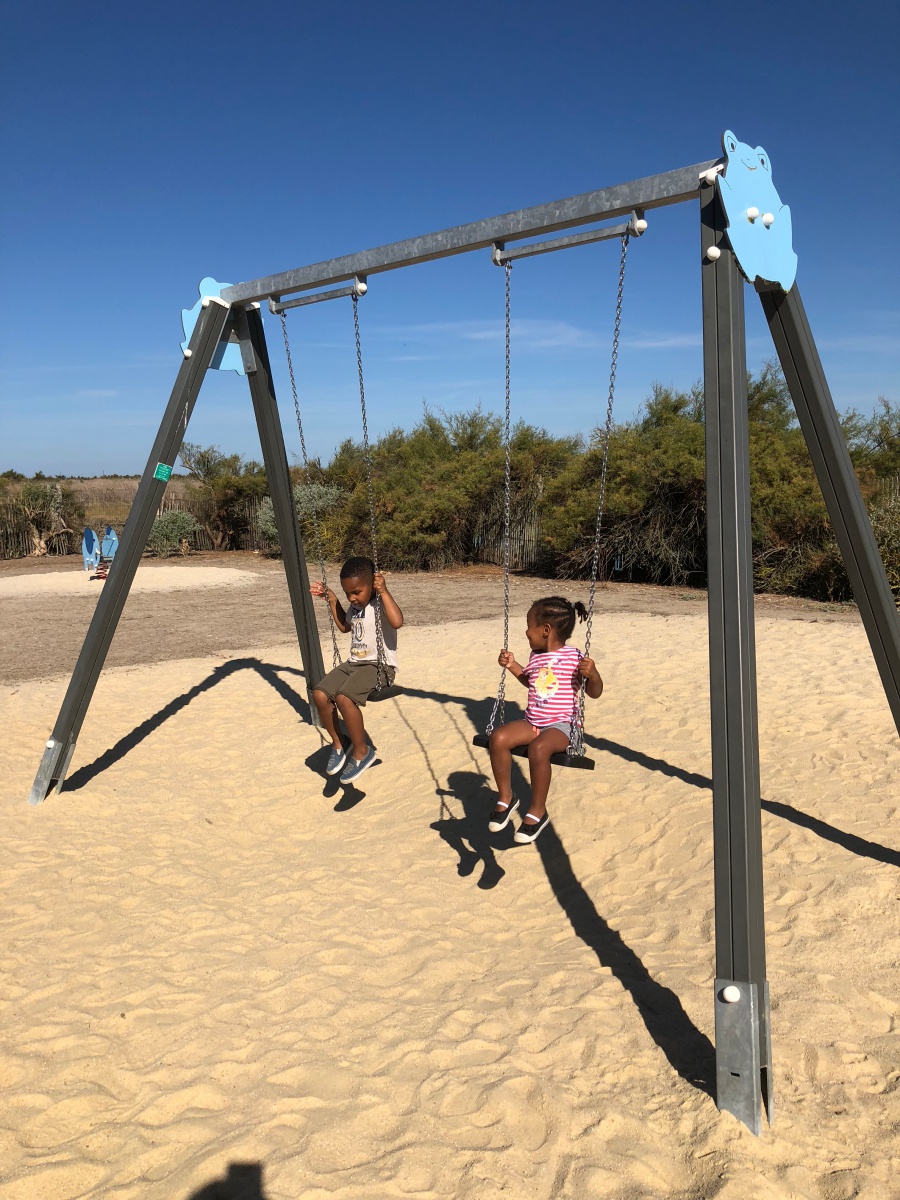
(112, 508)
(889, 487)
(525, 527)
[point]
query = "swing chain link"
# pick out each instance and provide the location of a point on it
(367, 458)
(335, 652)
(500, 703)
(576, 742)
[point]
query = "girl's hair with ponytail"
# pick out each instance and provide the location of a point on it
(559, 613)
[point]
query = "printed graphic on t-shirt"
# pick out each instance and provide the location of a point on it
(551, 685)
(358, 647)
(546, 684)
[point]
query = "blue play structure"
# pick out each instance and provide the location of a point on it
(90, 550)
(97, 554)
(109, 545)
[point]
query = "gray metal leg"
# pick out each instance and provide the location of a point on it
(742, 1064)
(61, 745)
(837, 479)
(259, 374)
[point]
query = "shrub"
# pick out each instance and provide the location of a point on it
(435, 485)
(223, 483)
(312, 501)
(886, 524)
(50, 511)
(169, 530)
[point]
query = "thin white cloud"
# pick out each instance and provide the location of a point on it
(535, 334)
(663, 341)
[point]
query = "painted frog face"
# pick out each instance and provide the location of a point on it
(759, 225)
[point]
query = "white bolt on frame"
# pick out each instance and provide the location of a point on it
(713, 253)
(752, 213)
(731, 994)
(768, 219)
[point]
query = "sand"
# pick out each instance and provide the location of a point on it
(146, 579)
(219, 965)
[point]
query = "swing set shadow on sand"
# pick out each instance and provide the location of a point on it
(230, 323)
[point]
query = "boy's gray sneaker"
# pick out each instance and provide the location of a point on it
(336, 760)
(354, 769)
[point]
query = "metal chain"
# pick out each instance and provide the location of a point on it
(335, 653)
(576, 742)
(367, 457)
(500, 702)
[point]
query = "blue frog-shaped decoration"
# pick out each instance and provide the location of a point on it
(759, 225)
(228, 354)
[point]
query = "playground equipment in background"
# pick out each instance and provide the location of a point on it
(98, 554)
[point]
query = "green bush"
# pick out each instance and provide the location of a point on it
(169, 530)
(313, 502)
(886, 524)
(434, 485)
(438, 492)
(655, 518)
(222, 483)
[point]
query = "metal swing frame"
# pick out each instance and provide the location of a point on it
(741, 1002)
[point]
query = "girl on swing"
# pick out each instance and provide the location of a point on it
(553, 676)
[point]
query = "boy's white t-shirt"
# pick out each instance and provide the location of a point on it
(363, 645)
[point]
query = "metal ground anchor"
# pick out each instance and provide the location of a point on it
(52, 771)
(743, 1052)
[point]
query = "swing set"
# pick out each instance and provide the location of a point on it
(745, 235)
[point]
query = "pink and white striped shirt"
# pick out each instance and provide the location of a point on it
(551, 685)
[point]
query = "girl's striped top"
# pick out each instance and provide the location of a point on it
(551, 685)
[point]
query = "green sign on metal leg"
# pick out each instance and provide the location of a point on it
(162, 472)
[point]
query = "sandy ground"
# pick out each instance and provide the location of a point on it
(148, 578)
(220, 966)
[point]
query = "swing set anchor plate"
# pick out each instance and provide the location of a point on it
(579, 761)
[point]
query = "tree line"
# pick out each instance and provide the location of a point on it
(439, 488)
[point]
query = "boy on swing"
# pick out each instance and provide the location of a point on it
(345, 690)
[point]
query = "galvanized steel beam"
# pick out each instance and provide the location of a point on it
(655, 191)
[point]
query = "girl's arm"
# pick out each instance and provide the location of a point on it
(337, 610)
(588, 669)
(507, 659)
(389, 605)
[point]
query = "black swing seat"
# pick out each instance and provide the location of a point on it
(580, 761)
(388, 692)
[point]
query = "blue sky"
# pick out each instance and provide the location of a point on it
(147, 146)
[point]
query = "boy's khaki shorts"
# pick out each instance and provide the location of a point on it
(356, 681)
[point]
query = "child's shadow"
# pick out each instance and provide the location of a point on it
(477, 799)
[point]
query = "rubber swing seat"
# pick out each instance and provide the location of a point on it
(388, 692)
(579, 761)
